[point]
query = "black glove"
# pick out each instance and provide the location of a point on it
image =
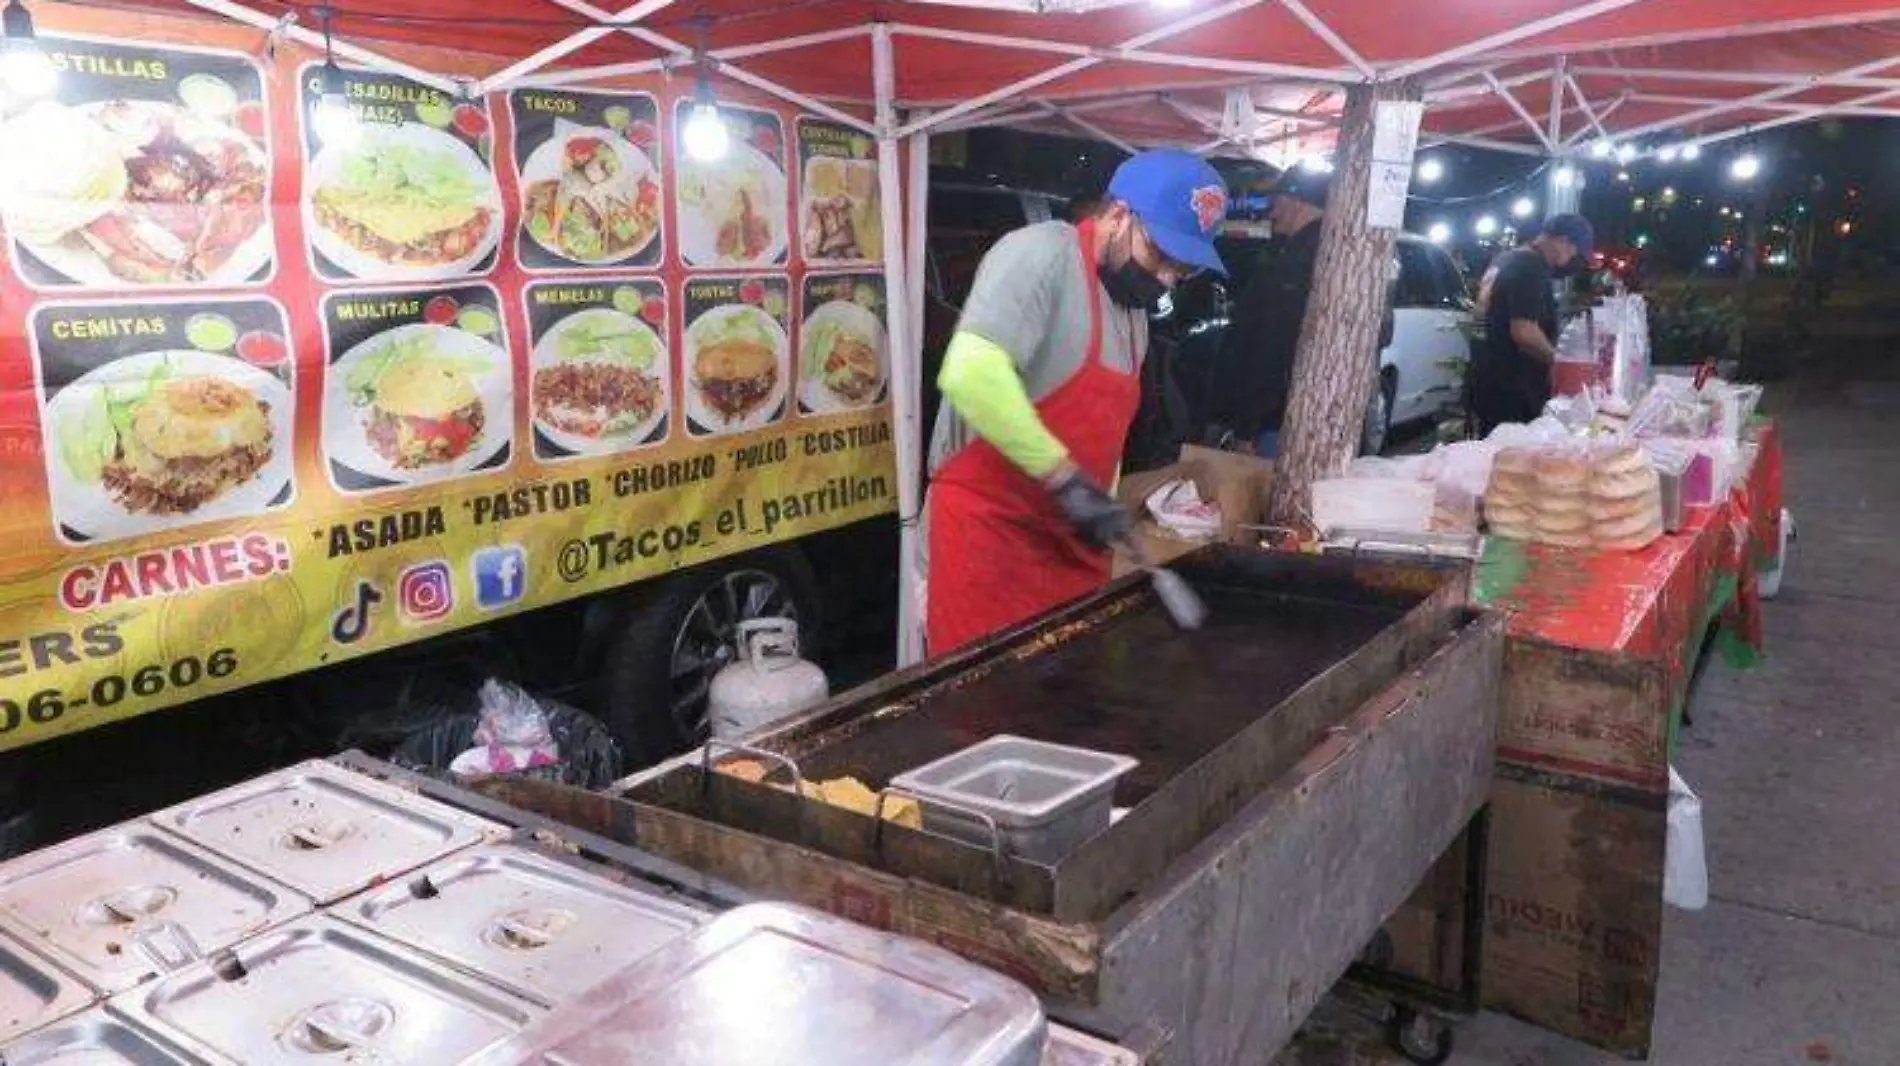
(1094, 513)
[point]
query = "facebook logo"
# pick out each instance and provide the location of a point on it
(501, 576)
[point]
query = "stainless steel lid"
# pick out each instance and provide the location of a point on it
(125, 904)
(94, 1038)
(34, 992)
(323, 830)
(541, 928)
(774, 985)
(319, 990)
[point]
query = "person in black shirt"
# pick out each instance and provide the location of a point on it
(1263, 333)
(1510, 374)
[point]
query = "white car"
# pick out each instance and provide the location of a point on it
(1422, 369)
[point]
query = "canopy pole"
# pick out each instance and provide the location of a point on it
(903, 259)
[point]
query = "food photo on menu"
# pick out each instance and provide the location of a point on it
(590, 179)
(401, 187)
(838, 206)
(737, 354)
(600, 377)
(843, 351)
(419, 387)
(732, 210)
(148, 167)
(163, 414)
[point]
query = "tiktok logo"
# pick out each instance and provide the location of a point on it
(352, 623)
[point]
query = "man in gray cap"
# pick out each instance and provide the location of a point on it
(1510, 371)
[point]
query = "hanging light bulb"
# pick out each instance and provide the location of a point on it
(1565, 177)
(1601, 150)
(1668, 153)
(705, 133)
(1487, 225)
(1745, 167)
(25, 68)
(1522, 207)
(1439, 233)
(1627, 153)
(335, 121)
(1430, 170)
(1692, 151)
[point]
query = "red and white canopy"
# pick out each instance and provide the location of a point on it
(1241, 76)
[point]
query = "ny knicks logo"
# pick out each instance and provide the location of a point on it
(1210, 205)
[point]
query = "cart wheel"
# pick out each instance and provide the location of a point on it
(1419, 1037)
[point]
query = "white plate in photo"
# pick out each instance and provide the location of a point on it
(346, 423)
(708, 195)
(708, 418)
(600, 325)
(133, 124)
(546, 165)
(431, 147)
(863, 211)
(90, 509)
(822, 328)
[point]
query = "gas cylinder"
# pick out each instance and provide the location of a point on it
(766, 683)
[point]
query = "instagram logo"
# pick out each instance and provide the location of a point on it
(426, 592)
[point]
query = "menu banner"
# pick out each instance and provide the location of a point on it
(287, 381)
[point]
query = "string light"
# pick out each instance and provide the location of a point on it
(1522, 207)
(1745, 167)
(1627, 154)
(1487, 225)
(24, 66)
(1601, 150)
(1439, 233)
(1668, 153)
(1430, 170)
(1691, 152)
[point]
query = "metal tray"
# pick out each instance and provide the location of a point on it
(320, 990)
(323, 830)
(1036, 799)
(128, 903)
(769, 983)
(34, 992)
(543, 929)
(1067, 1047)
(94, 1038)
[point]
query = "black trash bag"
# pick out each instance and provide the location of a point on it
(589, 757)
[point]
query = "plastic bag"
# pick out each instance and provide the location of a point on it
(1685, 867)
(514, 732)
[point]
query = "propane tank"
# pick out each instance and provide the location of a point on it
(767, 682)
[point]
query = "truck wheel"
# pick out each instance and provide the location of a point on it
(681, 632)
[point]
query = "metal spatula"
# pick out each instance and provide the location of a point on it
(1182, 603)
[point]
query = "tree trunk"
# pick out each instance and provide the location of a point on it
(1336, 366)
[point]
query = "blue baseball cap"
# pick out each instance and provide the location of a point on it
(1574, 228)
(1180, 201)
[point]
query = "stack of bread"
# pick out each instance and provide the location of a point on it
(1610, 501)
(1625, 500)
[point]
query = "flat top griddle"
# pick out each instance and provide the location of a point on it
(1133, 686)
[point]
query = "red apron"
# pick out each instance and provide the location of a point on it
(1001, 551)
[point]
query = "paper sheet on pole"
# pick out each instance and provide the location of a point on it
(1394, 142)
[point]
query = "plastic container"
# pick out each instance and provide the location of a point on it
(1041, 801)
(1672, 466)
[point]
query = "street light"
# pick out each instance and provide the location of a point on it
(1522, 207)
(1430, 170)
(1745, 167)
(1439, 233)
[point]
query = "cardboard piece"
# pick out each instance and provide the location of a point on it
(1236, 483)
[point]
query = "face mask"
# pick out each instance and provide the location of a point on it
(1128, 284)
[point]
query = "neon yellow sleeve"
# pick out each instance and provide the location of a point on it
(979, 381)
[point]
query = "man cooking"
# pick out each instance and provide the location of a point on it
(1510, 372)
(1040, 382)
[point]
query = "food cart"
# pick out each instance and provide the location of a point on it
(1302, 762)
